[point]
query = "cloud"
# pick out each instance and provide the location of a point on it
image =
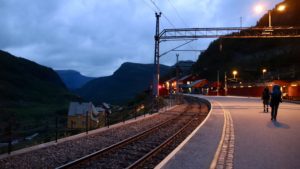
(96, 37)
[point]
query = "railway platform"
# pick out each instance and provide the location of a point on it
(238, 134)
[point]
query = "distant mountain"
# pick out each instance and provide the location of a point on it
(185, 66)
(129, 80)
(73, 79)
(29, 91)
(280, 56)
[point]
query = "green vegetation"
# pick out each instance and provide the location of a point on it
(31, 97)
(140, 105)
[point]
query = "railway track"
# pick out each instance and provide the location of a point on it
(148, 148)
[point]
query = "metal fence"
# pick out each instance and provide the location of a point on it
(17, 134)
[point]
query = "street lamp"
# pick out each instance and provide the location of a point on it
(234, 73)
(260, 8)
(264, 71)
(281, 8)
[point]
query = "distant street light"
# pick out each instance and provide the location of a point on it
(260, 9)
(281, 8)
(234, 73)
(264, 71)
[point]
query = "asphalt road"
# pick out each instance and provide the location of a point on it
(260, 142)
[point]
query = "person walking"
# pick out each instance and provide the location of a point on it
(276, 98)
(266, 99)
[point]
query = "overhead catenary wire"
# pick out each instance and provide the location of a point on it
(181, 18)
(168, 20)
(159, 10)
(149, 6)
(177, 13)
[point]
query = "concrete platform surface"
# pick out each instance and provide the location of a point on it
(199, 151)
(248, 139)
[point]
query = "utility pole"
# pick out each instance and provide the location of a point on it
(225, 84)
(270, 18)
(86, 122)
(177, 74)
(56, 128)
(156, 58)
(177, 78)
(9, 135)
(218, 81)
(241, 22)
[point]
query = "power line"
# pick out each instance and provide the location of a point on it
(149, 6)
(156, 6)
(177, 13)
(182, 20)
(159, 10)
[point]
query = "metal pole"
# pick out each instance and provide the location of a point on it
(225, 84)
(156, 58)
(218, 81)
(177, 78)
(241, 22)
(56, 121)
(108, 119)
(270, 19)
(177, 74)
(123, 116)
(10, 135)
(86, 122)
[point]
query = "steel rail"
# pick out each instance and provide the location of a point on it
(114, 146)
(160, 147)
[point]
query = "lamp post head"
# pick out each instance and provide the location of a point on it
(234, 72)
(281, 8)
(259, 9)
(264, 70)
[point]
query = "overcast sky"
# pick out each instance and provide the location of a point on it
(96, 36)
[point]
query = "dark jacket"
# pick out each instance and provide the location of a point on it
(276, 96)
(265, 95)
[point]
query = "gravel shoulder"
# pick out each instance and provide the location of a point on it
(63, 152)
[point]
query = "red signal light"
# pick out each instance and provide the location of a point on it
(159, 86)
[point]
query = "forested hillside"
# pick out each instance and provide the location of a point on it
(126, 82)
(30, 93)
(249, 56)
